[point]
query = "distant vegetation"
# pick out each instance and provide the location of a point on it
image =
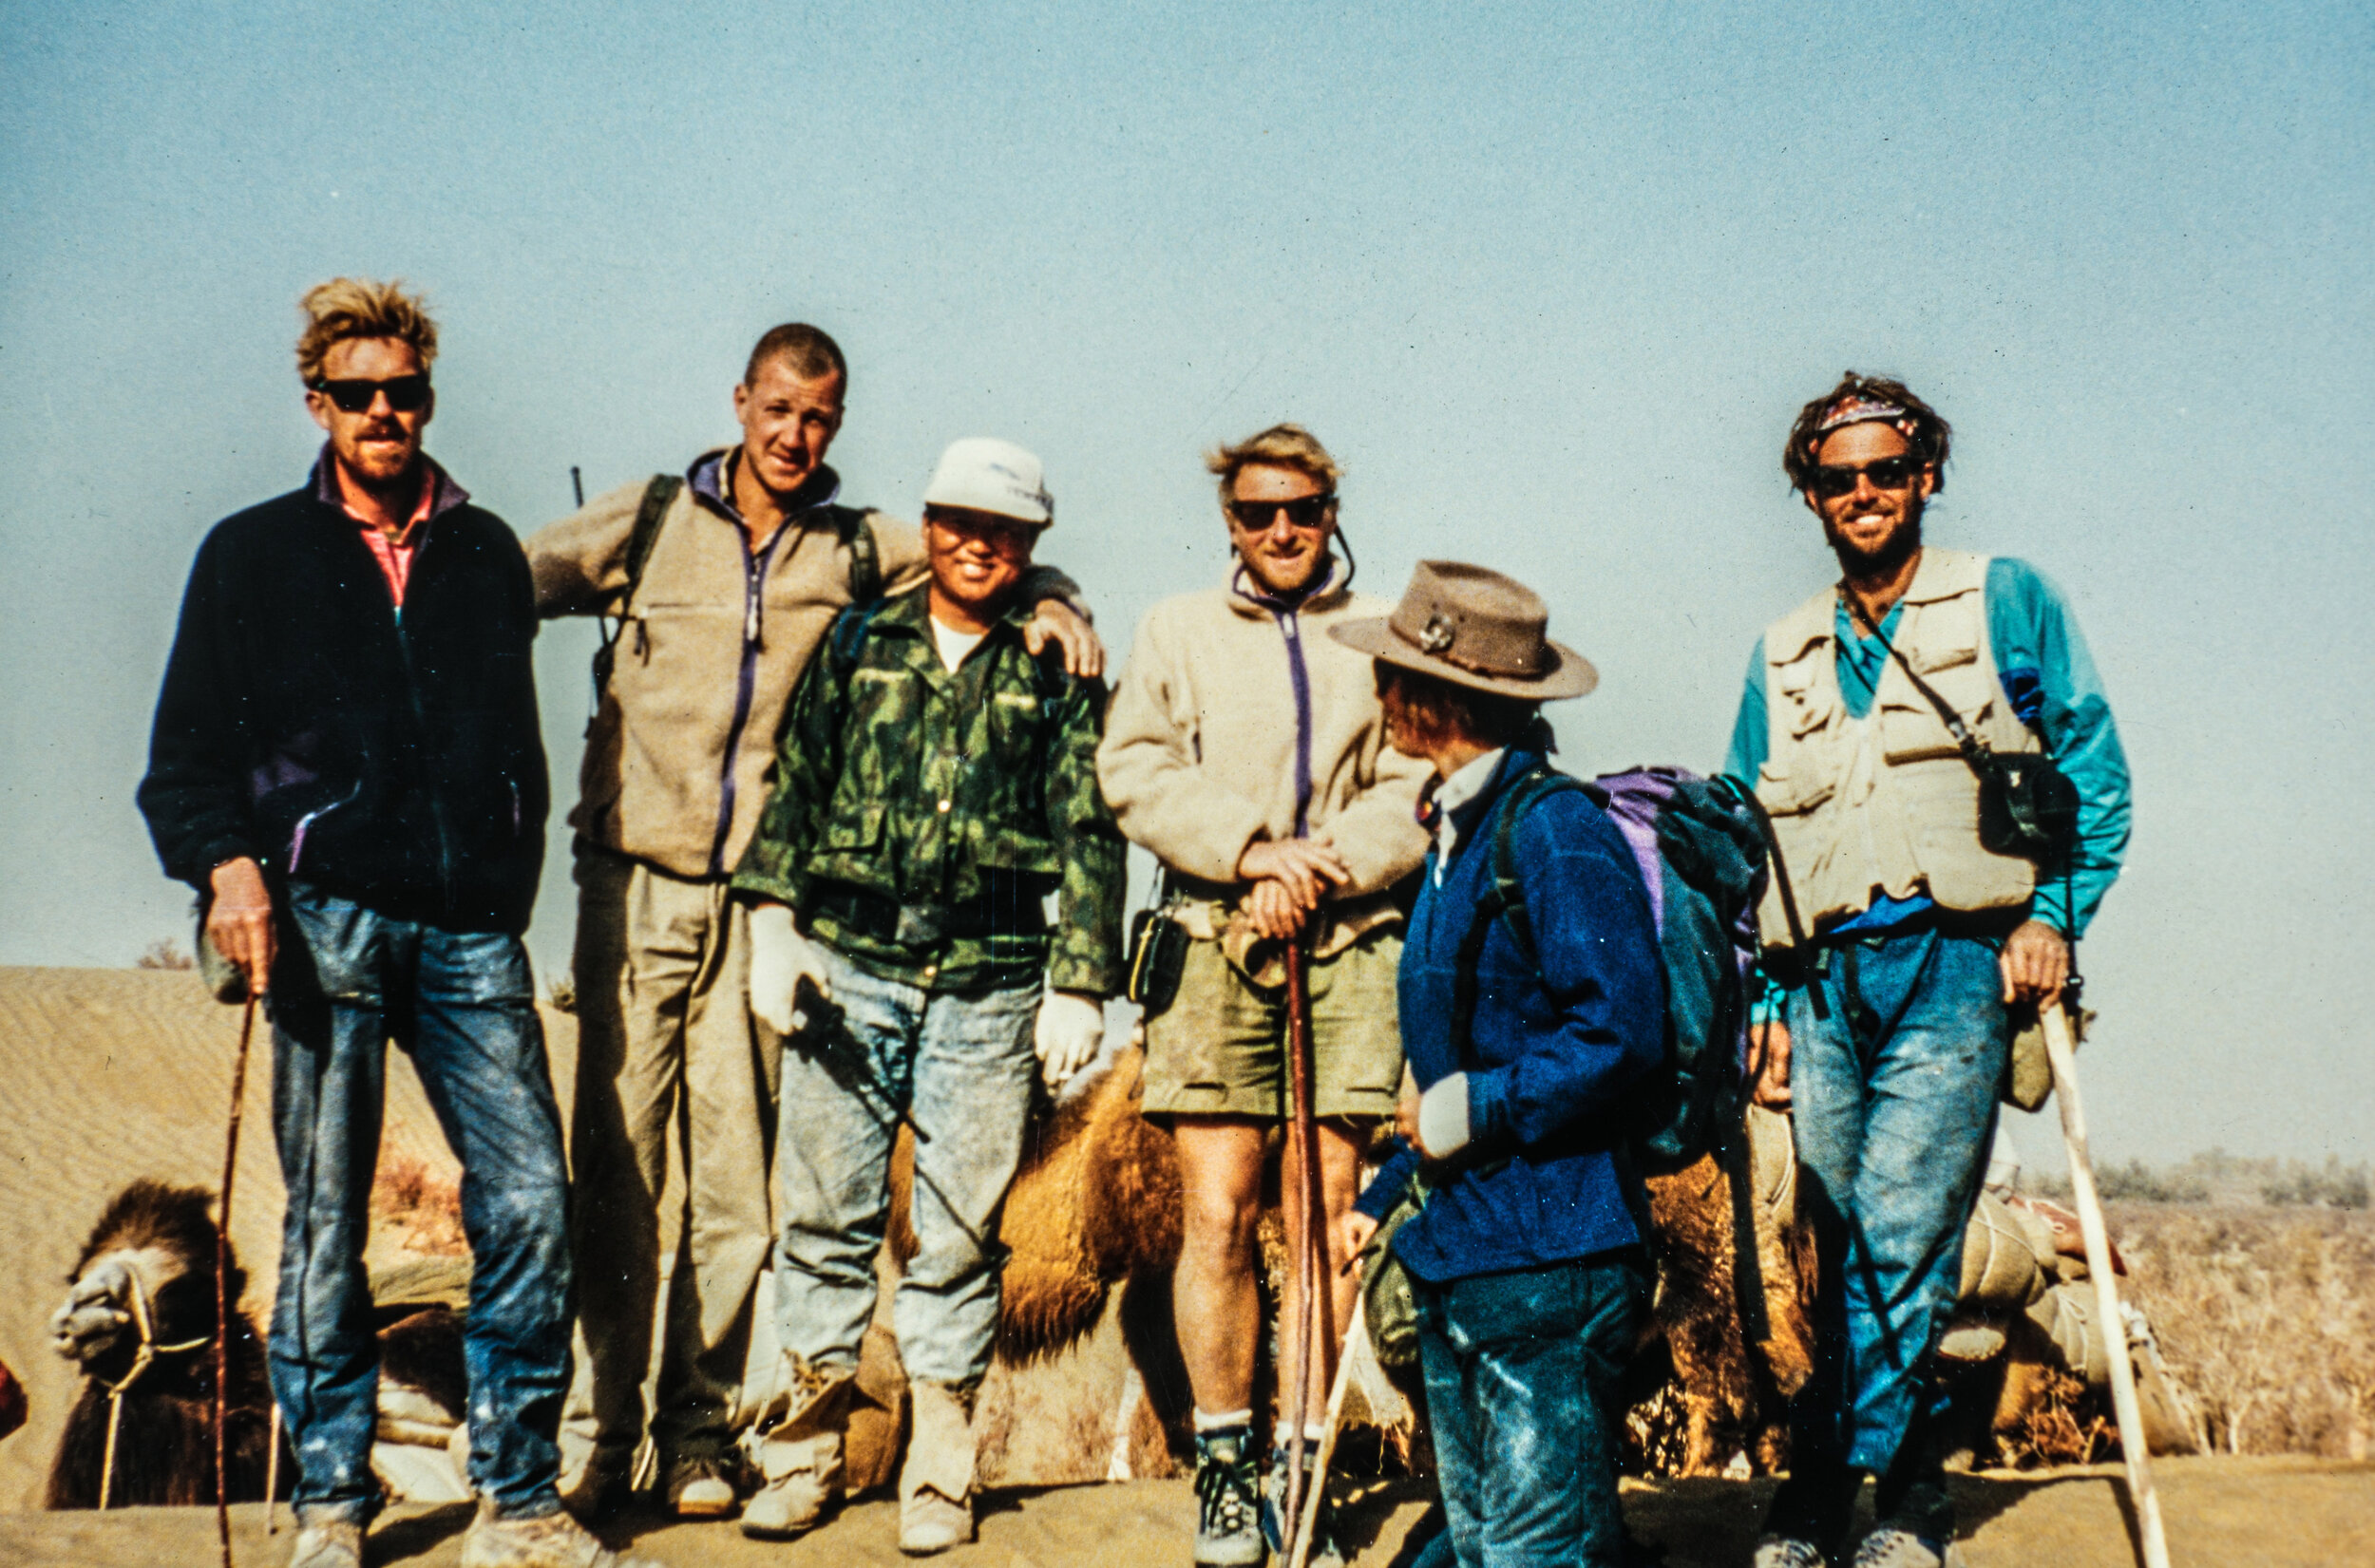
(2219, 1179)
(164, 954)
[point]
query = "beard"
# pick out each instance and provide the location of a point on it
(1891, 553)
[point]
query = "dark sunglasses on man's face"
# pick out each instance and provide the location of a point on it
(405, 393)
(1302, 512)
(1831, 480)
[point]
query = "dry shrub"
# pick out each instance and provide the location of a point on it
(2065, 1424)
(2268, 1315)
(164, 954)
(426, 1208)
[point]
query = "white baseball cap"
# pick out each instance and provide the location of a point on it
(983, 474)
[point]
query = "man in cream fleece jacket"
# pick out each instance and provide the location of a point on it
(1247, 751)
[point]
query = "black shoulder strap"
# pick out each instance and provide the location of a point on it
(865, 562)
(1505, 900)
(1975, 751)
(657, 496)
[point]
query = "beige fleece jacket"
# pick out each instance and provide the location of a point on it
(1198, 759)
(675, 731)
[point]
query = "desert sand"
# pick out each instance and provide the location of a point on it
(107, 1076)
(2231, 1513)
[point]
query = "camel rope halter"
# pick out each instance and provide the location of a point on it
(144, 1319)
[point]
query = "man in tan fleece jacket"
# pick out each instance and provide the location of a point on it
(751, 561)
(1247, 749)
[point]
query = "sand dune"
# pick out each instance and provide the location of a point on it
(110, 1074)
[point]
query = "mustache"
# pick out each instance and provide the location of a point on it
(389, 432)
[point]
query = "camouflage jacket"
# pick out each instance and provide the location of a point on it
(920, 817)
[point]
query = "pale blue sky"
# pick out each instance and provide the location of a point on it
(1551, 280)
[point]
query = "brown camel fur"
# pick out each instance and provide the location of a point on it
(1732, 1394)
(153, 1249)
(1096, 1203)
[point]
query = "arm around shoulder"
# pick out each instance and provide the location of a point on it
(580, 563)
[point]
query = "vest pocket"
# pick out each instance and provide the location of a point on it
(1910, 729)
(1796, 793)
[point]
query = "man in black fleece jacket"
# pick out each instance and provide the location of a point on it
(345, 763)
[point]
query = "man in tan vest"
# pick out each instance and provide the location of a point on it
(723, 582)
(1247, 751)
(1920, 941)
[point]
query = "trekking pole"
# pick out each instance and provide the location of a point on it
(1310, 1523)
(576, 485)
(1305, 1245)
(222, 1271)
(2151, 1542)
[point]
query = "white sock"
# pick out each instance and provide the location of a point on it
(1207, 1422)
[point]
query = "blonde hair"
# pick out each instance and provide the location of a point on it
(1280, 446)
(348, 308)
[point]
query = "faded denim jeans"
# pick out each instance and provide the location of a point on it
(1522, 1374)
(960, 1066)
(463, 1005)
(1895, 1110)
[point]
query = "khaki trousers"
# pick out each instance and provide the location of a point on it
(665, 1033)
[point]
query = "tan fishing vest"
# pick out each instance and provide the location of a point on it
(1885, 803)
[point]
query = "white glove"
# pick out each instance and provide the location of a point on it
(1071, 1028)
(1443, 1129)
(779, 957)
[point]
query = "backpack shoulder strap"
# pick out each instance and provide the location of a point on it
(865, 561)
(1503, 900)
(658, 497)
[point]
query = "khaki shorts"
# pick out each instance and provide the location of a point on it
(1220, 1048)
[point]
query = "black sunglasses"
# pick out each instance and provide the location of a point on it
(1831, 480)
(1304, 512)
(405, 393)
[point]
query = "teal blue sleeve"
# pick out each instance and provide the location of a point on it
(2051, 681)
(1751, 741)
(1751, 737)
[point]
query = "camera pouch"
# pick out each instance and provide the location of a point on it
(1158, 956)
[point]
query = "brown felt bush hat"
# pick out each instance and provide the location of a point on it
(1474, 627)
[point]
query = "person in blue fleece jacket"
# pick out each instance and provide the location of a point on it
(1527, 1262)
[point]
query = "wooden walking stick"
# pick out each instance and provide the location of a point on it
(222, 1271)
(2153, 1544)
(1306, 1529)
(1305, 1244)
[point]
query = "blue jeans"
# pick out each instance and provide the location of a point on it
(1522, 1373)
(1895, 1106)
(463, 1005)
(960, 1066)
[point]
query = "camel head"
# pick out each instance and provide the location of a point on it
(146, 1272)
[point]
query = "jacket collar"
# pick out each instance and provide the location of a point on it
(1517, 762)
(711, 480)
(445, 494)
(1247, 599)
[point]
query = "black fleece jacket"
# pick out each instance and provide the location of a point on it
(391, 758)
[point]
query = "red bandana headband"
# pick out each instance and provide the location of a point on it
(1856, 409)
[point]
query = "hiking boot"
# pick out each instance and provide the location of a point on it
(1326, 1553)
(327, 1543)
(1889, 1547)
(1228, 1506)
(800, 1457)
(1786, 1552)
(700, 1488)
(605, 1488)
(935, 1483)
(549, 1541)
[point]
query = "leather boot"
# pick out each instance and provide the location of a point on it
(800, 1455)
(935, 1483)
